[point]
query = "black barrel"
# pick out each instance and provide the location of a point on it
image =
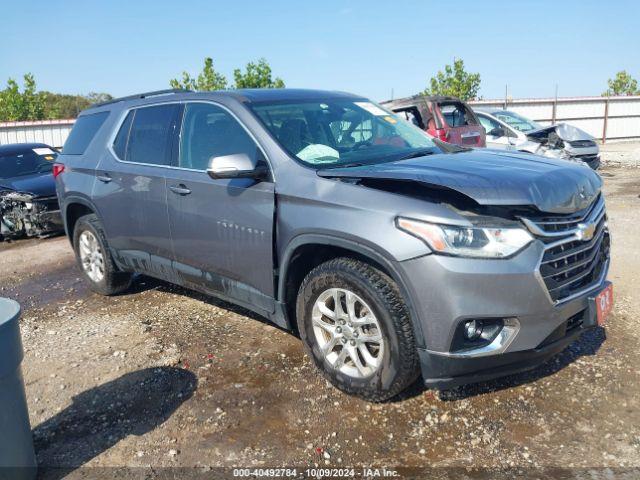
(17, 457)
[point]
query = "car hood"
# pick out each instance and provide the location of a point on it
(493, 178)
(566, 132)
(39, 184)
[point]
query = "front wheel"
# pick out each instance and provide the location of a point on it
(357, 329)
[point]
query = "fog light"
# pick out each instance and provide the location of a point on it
(473, 329)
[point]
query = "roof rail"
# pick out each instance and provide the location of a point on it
(155, 93)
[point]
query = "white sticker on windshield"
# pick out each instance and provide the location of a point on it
(43, 151)
(371, 108)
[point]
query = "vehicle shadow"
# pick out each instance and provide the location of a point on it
(588, 344)
(133, 404)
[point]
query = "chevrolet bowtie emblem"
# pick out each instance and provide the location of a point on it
(586, 231)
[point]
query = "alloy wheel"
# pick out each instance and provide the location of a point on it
(348, 333)
(91, 256)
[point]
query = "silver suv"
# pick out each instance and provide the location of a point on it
(390, 253)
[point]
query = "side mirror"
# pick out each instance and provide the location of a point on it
(497, 132)
(238, 165)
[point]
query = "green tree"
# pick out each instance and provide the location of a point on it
(257, 75)
(207, 80)
(455, 81)
(622, 84)
(98, 97)
(11, 108)
(18, 106)
(33, 102)
(60, 105)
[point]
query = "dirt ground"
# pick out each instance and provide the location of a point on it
(165, 377)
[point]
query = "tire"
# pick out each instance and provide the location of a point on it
(112, 281)
(376, 293)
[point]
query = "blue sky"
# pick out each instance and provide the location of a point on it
(367, 47)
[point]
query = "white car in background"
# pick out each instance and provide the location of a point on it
(509, 131)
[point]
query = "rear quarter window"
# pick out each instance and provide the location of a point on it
(122, 138)
(83, 132)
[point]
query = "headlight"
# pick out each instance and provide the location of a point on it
(481, 242)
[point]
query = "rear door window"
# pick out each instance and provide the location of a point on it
(150, 135)
(83, 132)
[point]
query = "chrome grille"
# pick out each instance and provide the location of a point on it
(576, 252)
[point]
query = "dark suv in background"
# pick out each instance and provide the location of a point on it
(328, 214)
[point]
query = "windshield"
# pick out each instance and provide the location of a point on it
(516, 121)
(336, 133)
(26, 163)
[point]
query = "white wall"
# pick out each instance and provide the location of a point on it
(587, 113)
(51, 132)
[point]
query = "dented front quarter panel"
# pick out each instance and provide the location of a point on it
(363, 216)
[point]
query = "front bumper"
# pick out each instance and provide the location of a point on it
(444, 372)
(446, 291)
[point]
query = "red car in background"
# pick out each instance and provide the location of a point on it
(446, 118)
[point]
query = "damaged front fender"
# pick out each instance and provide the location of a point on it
(25, 215)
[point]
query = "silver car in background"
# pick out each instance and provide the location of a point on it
(510, 131)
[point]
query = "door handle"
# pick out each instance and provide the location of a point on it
(105, 178)
(180, 189)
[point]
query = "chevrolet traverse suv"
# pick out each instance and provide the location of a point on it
(391, 254)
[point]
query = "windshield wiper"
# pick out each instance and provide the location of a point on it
(419, 153)
(353, 164)
(450, 147)
(347, 165)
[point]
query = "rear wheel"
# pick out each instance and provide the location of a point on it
(357, 329)
(94, 258)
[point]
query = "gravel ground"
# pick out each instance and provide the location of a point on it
(621, 154)
(165, 377)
